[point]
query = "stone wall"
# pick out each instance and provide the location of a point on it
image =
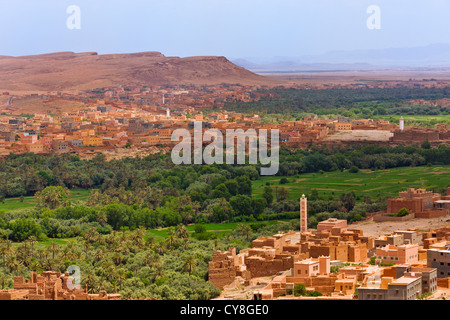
(325, 284)
(427, 214)
(385, 217)
(261, 267)
(222, 268)
(443, 282)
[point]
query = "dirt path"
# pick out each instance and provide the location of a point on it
(374, 229)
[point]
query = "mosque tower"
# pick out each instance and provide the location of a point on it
(303, 214)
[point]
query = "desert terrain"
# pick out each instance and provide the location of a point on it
(365, 76)
(375, 229)
(69, 71)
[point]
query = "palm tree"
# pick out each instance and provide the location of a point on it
(54, 249)
(3, 280)
(171, 238)
(185, 243)
(35, 265)
(4, 252)
(111, 238)
(189, 263)
(244, 230)
(117, 258)
(120, 276)
(41, 253)
(90, 280)
(49, 264)
(181, 231)
(32, 240)
(102, 218)
(98, 254)
(152, 260)
(159, 273)
(150, 241)
(91, 234)
(12, 263)
(86, 245)
(160, 248)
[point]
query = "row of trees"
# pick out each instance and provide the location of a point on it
(362, 102)
(129, 179)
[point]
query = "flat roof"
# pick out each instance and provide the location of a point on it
(308, 261)
(404, 280)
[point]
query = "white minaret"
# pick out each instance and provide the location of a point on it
(167, 109)
(402, 123)
(303, 214)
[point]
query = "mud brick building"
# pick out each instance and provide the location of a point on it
(281, 286)
(225, 267)
(420, 202)
(331, 223)
(263, 263)
(414, 200)
(339, 244)
(285, 251)
(50, 285)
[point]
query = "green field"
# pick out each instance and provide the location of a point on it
(419, 120)
(365, 182)
(14, 203)
(220, 229)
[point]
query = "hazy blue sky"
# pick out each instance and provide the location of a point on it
(232, 28)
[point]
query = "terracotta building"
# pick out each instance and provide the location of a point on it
(408, 253)
(50, 285)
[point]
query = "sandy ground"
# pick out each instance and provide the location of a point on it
(375, 229)
(360, 135)
(346, 77)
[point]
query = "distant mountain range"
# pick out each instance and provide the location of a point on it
(431, 56)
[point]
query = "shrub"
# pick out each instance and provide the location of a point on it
(353, 169)
(299, 290)
(402, 212)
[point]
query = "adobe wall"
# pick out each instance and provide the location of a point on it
(260, 267)
(357, 253)
(427, 214)
(413, 205)
(417, 135)
(13, 294)
(383, 217)
(323, 284)
(222, 269)
(443, 282)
